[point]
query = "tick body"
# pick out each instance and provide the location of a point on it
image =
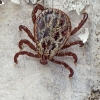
(52, 29)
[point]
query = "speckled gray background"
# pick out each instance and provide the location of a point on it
(29, 80)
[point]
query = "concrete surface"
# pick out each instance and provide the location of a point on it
(29, 80)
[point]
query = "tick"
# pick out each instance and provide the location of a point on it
(52, 29)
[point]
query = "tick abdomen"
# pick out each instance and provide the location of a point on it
(52, 28)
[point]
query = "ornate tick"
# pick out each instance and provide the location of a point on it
(52, 29)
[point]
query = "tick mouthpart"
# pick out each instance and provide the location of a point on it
(44, 60)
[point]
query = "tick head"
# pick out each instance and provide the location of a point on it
(44, 59)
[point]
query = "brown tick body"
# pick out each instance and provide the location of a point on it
(52, 29)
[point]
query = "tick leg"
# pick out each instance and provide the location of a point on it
(73, 43)
(37, 7)
(24, 41)
(66, 66)
(80, 24)
(25, 53)
(27, 31)
(68, 54)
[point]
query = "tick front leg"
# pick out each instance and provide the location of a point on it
(27, 31)
(25, 53)
(80, 24)
(66, 66)
(24, 41)
(68, 54)
(73, 43)
(37, 7)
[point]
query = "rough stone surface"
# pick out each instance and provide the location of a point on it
(29, 80)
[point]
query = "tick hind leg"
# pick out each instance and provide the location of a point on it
(25, 53)
(24, 41)
(73, 43)
(37, 7)
(65, 65)
(22, 27)
(68, 54)
(80, 24)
